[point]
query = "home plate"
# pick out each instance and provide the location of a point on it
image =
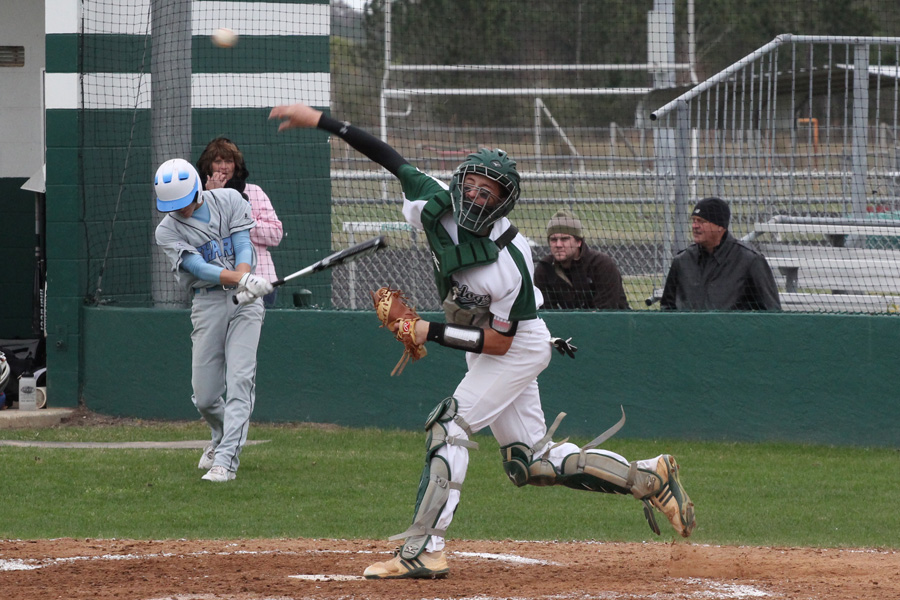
(328, 577)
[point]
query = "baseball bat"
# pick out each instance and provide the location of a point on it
(338, 258)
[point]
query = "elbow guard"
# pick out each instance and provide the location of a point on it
(459, 337)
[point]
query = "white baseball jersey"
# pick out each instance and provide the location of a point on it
(505, 287)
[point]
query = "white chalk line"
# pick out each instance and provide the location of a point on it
(328, 577)
(27, 564)
(176, 445)
(513, 558)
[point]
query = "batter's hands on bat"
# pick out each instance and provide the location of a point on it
(256, 285)
(244, 297)
(296, 116)
(564, 346)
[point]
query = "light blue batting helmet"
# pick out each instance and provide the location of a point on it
(177, 185)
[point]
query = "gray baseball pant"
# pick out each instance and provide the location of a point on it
(223, 368)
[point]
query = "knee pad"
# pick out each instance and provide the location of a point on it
(436, 428)
(519, 463)
(522, 469)
(436, 481)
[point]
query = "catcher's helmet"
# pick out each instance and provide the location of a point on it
(496, 165)
(177, 185)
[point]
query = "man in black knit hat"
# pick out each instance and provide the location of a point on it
(717, 271)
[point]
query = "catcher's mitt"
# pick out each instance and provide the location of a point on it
(391, 308)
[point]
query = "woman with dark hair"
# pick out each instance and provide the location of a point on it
(222, 166)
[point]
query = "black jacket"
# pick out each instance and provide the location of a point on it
(734, 277)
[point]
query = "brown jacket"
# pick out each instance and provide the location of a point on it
(592, 282)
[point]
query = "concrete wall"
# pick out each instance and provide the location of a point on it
(828, 379)
(21, 156)
(21, 139)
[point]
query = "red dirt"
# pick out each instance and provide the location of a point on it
(262, 570)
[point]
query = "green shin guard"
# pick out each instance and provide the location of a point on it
(435, 483)
(593, 471)
(583, 471)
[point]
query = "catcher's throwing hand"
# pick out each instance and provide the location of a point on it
(564, 346)
(401, 319)
(295, 116)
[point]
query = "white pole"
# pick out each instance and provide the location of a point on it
(692, 43)
(384, 83)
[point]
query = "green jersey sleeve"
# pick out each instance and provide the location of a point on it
(417, 185)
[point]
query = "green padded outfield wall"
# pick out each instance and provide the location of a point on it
(827, 379)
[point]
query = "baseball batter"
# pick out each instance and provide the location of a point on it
(484, 273)
(206, 237)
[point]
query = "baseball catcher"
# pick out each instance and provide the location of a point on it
(484, 272)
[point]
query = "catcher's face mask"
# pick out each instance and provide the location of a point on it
(476, 206)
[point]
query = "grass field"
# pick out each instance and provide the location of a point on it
(317, 481)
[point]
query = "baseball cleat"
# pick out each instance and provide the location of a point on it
(219, 474)
(671, 499)
(428, 565)
(207, 458)
(651, 518)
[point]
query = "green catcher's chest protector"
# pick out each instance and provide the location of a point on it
(449, 258)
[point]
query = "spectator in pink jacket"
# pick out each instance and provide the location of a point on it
(222, 166)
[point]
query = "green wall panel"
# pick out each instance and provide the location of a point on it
(736, 376)
(61, 53)
(66, 165)
(66, 204)
(66, 266)
(259, 54)
(112, 128)
(62, 130)
(67, 244)
(121, 53)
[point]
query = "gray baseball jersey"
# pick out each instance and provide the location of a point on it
(225, 335)
(228, 213)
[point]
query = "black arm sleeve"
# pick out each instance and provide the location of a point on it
(365, 143)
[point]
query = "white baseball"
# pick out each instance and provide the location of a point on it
(224, 37)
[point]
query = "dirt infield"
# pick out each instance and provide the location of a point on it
(331, 570)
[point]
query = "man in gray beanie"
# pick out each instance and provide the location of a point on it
(717, 271)
(574, 276)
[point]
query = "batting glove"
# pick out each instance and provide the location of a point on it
(256, 285)
(564, 346)
(244, 297)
